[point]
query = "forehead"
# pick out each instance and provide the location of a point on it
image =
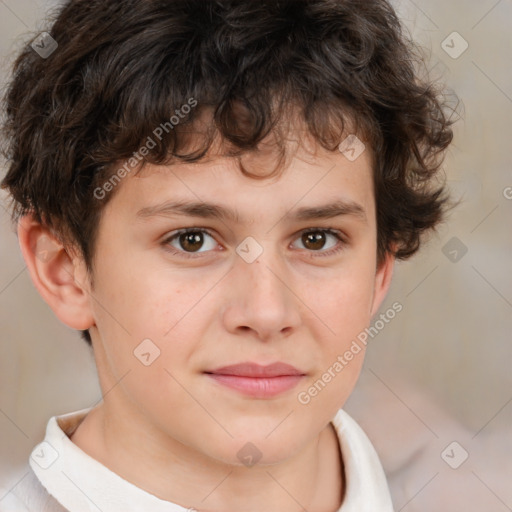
(311, 177)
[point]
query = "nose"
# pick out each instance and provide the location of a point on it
(261, 299)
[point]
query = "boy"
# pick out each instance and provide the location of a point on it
(214, 193)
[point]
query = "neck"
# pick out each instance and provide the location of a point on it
(311, 479)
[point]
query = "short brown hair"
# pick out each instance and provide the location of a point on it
(122, 68)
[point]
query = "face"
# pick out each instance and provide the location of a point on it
(276, 280)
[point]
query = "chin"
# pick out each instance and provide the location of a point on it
(249, 450)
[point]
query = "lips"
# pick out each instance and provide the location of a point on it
(255, 370)
(257, 381)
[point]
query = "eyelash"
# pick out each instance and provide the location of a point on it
(184, 254)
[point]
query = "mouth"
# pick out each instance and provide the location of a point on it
(258, 381)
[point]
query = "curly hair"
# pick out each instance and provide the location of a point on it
(122, 68)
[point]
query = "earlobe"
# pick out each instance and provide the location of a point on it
(383, 278)
(58, 276)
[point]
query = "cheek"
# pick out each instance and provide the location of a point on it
(343, 306)
(153, 312)
(143, 335)
(344, 303)
(143, 300)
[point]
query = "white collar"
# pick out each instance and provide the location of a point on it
(82, 484)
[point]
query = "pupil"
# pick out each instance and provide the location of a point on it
(190, 239)
(317, 239)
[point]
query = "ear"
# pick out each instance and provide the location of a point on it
(60, 278)
(383, 277)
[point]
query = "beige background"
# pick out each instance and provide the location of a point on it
(439, 372)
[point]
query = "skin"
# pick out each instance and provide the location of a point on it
(169, 428)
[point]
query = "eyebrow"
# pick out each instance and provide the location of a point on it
(216, 211)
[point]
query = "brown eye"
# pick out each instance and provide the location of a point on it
(314, 240)
(190, 241)
(317, 241)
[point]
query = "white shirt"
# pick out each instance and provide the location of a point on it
(61, 477)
